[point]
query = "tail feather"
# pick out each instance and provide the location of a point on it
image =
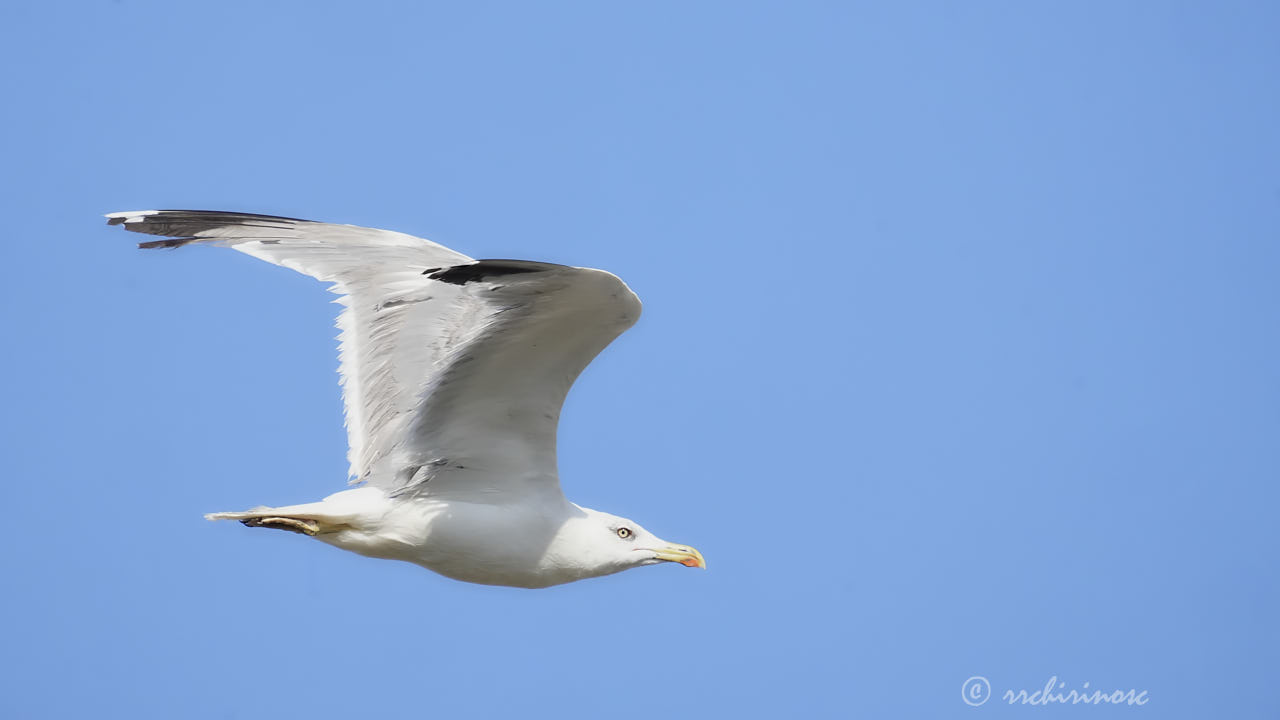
(272, 518)
(341, 511)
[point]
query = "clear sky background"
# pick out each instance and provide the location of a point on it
(959, 354)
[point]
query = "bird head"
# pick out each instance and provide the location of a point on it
(598, 543)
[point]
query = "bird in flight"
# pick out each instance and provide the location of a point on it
(453, 371)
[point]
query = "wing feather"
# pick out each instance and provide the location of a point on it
(453, 370)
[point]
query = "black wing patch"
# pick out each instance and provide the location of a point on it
(485, 269)
(186, 226)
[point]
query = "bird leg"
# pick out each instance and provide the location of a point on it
(305, 527)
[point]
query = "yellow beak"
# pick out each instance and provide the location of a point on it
(682, 554)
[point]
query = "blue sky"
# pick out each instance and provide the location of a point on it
(958, 359)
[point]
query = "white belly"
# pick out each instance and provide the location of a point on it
(491, 544)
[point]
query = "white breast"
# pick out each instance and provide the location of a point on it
(488, 543)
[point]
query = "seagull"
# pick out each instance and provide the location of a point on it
(453, 373)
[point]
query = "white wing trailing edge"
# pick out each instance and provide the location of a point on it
(454, 370)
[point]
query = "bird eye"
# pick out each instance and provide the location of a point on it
(624, 533)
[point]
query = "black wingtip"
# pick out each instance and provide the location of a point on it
(167, 243)
(485, 269)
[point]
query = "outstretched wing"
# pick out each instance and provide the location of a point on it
(453, 370)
